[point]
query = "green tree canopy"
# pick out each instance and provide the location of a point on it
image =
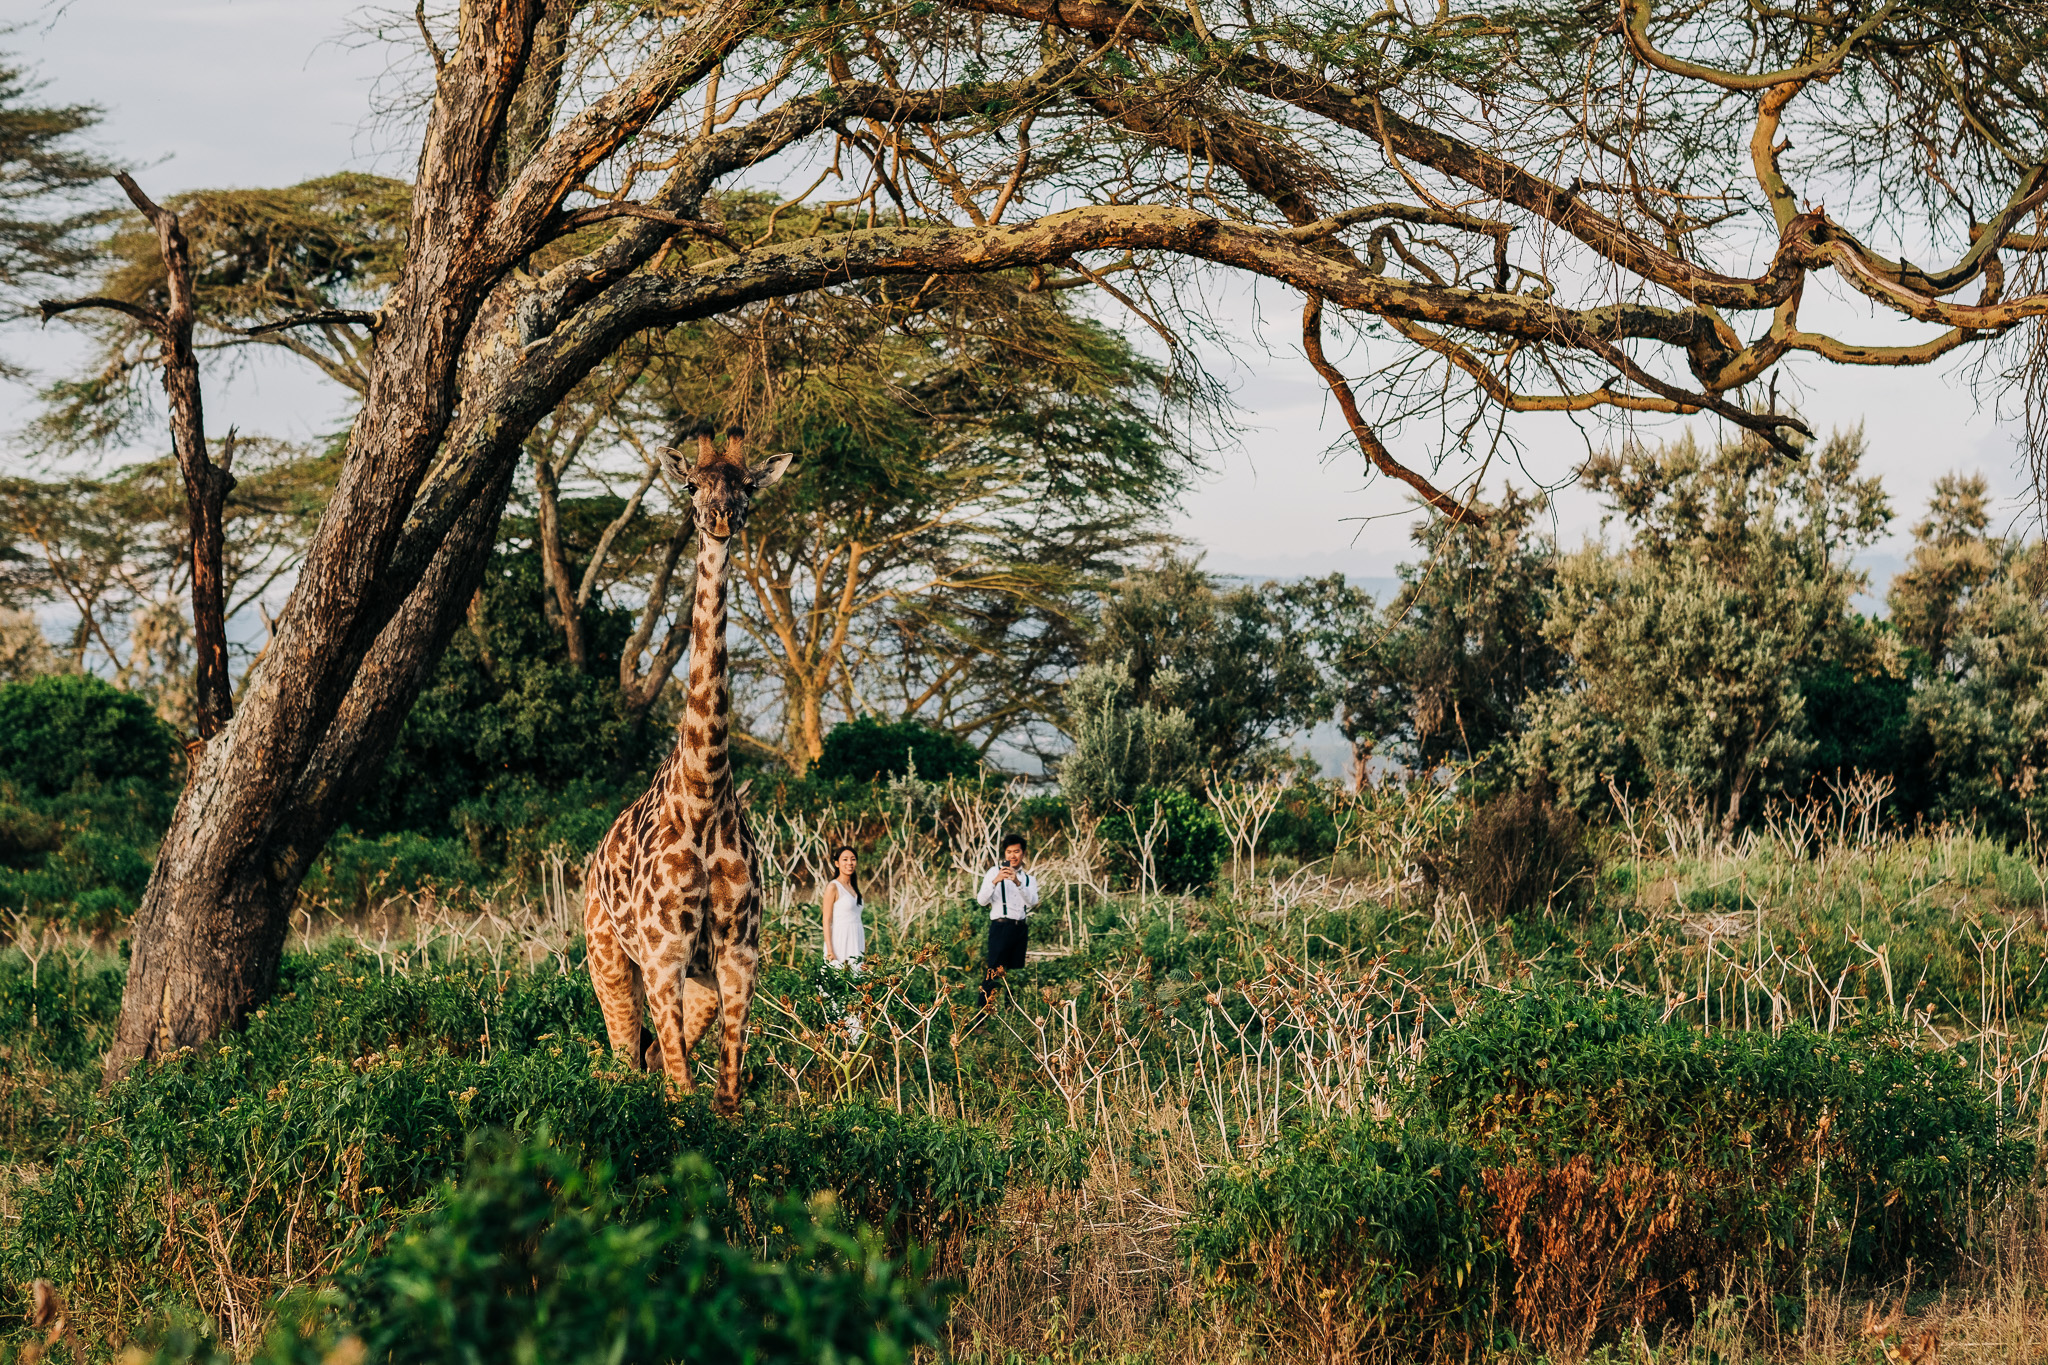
(1692, 640)
(1240, 662)
(1447, 668)
(46, 232)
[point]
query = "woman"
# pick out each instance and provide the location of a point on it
(846, 938)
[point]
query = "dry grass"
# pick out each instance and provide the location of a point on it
(1820, 914)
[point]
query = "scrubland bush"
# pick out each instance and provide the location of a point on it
(1522, 851)
(1573, 1165)
(535, 1257)
(1181, 837)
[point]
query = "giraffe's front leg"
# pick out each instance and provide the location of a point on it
(614, 975)
(738, 965)
(666, 993)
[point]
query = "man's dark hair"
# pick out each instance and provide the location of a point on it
(1012, 841)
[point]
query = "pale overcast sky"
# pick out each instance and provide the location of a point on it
(269, 92)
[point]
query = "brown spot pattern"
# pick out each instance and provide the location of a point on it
(672, 907)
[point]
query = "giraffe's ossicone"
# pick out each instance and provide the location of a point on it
(672, 897)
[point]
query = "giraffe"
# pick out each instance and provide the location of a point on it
(672, 905)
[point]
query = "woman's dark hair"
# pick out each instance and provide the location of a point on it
(1012, 841)
(853, 877)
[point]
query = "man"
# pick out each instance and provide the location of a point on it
(1009, 892)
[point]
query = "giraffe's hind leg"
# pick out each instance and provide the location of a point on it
(615, 977)
(700, 1007)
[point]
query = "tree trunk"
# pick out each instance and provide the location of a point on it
(554, 565)
(210, 930)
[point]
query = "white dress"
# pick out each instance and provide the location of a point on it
(849, 935)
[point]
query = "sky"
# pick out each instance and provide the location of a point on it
(241, 93)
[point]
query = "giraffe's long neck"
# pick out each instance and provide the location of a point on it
(703, 763)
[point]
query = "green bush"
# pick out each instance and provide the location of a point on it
(1736, 1147)
(1574, 1164)
(1302, 826)
(56, 1019)
(506, 730)
(869, 749)
(1348, 1234)
(532, 1257)
(355, 871)
(1188, 849)
(66, 729)
(88, 779)
(347, 1099)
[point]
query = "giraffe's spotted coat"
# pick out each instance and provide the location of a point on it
(672, 905)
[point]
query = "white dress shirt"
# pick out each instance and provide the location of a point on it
(1008, 900)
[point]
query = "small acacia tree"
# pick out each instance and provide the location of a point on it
(1691, 640)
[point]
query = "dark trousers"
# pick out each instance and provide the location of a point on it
(1005, 952)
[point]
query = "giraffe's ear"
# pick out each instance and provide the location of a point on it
(678, 466)
(768, 472)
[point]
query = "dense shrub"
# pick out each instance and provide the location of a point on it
(64, 729)
(1522, 851)
(868, 749)
(1351, 1234)
(343, 1102)
(1303, 825)
(1189, 847)
(56, 1019)
(532, 1257)
(355, 872)
(1599, 1166)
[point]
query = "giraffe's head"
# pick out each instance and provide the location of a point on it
(722, 485)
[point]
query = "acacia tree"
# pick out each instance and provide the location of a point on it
(1693, 640)
(1539, 203)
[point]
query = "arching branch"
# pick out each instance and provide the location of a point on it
(1368, 440)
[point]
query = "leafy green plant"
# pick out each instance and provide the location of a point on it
(1738, 1145)
(532, 1257)
(867, 748)
(1188, 844)
(1350, 1234)
(62, 729)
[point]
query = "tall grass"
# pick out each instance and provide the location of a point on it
(1160, 1057)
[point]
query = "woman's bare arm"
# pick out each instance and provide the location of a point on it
(830, 895)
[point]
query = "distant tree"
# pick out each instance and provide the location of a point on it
(1975, 609)
(1241, 663)
(47, 230)
(867, 749)
(113, 550)
(1123, 744)
(24, 649)
(1448, 667)
(1693, 640)
(1954, 558)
